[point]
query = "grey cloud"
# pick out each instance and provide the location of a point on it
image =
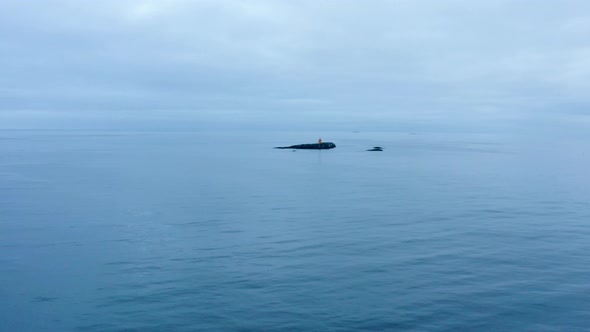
(393, 58)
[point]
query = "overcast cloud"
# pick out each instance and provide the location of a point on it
(251, 59)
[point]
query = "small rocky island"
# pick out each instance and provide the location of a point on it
(313, 146)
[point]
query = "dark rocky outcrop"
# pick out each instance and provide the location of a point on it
(376, 148)
(313, 146)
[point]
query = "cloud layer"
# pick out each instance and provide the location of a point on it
(401, 58)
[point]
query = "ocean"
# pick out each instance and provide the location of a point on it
(217, 231)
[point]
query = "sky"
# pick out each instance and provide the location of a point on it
(65, 63)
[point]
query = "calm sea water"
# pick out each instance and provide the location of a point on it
(202, 231)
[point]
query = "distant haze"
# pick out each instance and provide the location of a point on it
(197, 64)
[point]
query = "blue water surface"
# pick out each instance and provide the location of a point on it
(217, 231)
